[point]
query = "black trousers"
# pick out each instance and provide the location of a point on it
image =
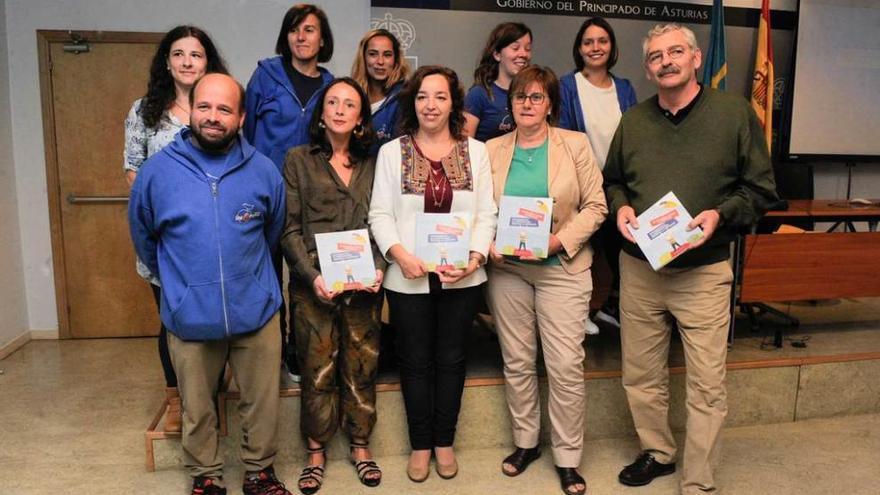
(164, 356)
(431, 357)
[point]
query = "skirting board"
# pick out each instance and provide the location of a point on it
(26, 337)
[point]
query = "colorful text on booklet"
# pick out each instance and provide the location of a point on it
(346, 260)
(524, 226)
(443, 240)
(662, 234)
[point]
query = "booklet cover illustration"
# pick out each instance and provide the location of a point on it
(346, 260)
(524, 226)
(443, 240)
(662, 234)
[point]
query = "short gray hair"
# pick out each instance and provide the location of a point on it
(661, 29)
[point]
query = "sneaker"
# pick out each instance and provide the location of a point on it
(206, 486)
(592, 328)
(644, 470)
(263, 483)
(610, 315)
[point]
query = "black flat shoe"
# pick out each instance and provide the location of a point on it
(568, 478)
(644, 470)
(520, 460)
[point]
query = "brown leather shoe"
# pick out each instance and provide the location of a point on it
(172, 412)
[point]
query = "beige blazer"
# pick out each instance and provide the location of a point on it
(575, 184)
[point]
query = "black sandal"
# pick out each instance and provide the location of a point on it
(520, 460)
(366, 467)
(312, 472)
(568, 477)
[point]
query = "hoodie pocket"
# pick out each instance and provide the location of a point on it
(200, 312)
(249, 304)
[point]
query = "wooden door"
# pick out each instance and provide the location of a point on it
(86, 97)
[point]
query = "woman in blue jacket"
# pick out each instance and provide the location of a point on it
(280, 99)
(593, 100)
(380, 69)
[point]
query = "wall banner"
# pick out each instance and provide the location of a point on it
(658, 11)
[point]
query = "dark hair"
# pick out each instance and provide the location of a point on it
(292, 19)
(503, 35)
(576, 47)
(409, 121)
(160, 88)
(543, 76)
(241, 92)
(359, 147)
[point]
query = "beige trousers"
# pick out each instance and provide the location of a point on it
(699, 301)
(255, 360)
(532, 302)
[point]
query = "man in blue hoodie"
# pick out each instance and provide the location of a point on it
(203, 214)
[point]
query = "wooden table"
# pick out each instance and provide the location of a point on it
(811, 265)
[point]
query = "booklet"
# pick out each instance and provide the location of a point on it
(662, 234)
(524, 226)
(443, 240)
(346, 260)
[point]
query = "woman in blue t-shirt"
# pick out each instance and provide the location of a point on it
(380, 69)
(508, 50)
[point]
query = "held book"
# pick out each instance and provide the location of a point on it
(662, 234)
(524, 226)
(346, 260)
(443, 240)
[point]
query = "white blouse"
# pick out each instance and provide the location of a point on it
(393, 214)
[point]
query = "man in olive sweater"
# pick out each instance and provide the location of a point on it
(709, 149)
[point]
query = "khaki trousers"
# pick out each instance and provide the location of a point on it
(255, 360)
(699, 300)
(532, 302)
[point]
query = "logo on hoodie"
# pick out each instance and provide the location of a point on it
(247, 213)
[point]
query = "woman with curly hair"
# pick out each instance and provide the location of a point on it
(185, 54)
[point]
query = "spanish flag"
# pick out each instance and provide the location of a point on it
(762, 79)
(715, 64)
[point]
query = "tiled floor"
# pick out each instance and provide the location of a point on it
(73, 415)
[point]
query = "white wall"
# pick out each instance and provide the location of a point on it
(13, 307)
(244, 31)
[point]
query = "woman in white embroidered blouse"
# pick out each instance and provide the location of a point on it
(432, 168)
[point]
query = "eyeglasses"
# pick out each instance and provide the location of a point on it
(534, 98)
(674, 53)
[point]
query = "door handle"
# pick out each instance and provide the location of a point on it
(79, 200)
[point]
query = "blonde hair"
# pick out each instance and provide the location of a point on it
(661, 29)
(359, 67)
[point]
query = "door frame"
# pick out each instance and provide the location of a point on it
(53, 184)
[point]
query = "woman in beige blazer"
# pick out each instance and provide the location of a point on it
(545, 299)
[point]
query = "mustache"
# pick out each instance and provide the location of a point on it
(668, 70)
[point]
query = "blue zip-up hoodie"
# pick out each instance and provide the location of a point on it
(384, 120)
(571, 115)
(209, 238)
(276, 120)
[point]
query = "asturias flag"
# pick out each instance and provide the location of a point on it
(762, 80)
(715, 63)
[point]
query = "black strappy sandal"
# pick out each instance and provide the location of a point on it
(568, 477)
(313, 473)
(366, 468)
(520, 460)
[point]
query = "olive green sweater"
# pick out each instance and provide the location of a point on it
(716, 158)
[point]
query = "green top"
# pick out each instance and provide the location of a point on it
(716, 158)
(528, 177)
